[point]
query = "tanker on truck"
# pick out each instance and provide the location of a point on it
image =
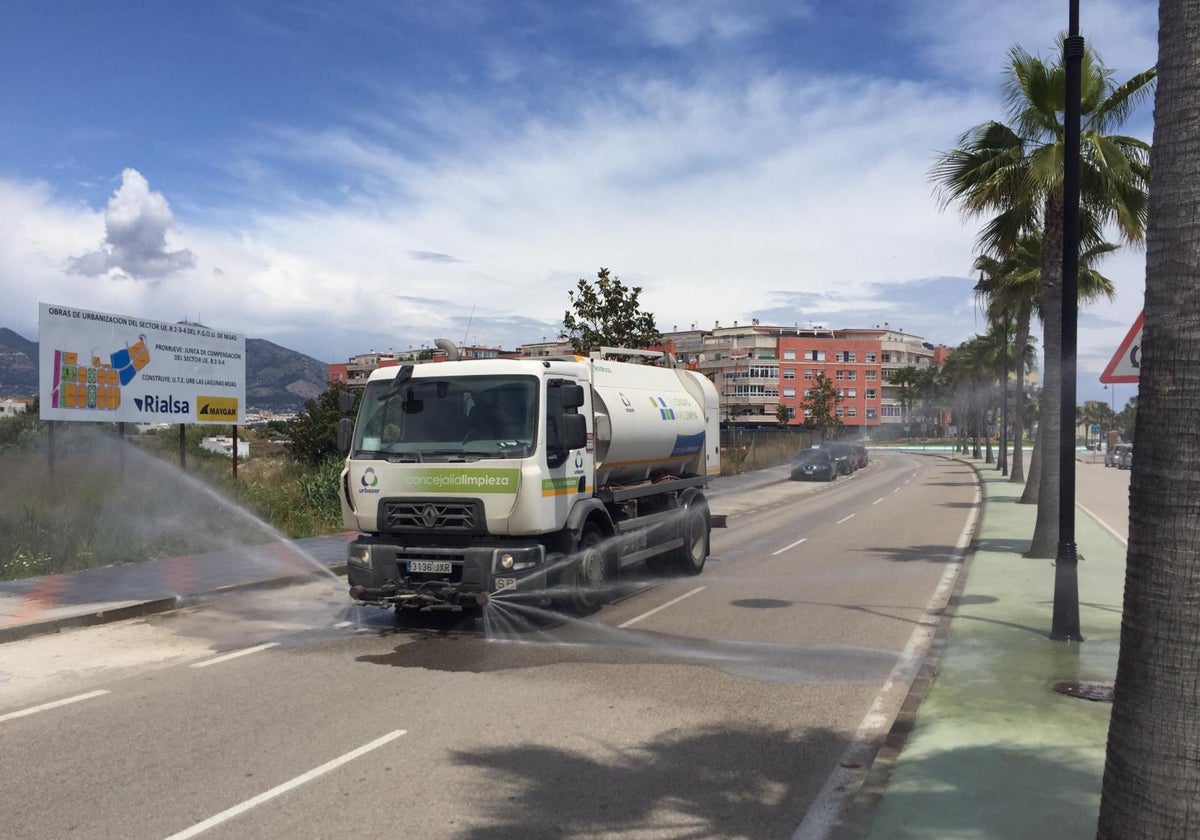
(538, 478)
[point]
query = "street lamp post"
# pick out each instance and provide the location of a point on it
(1065, 620)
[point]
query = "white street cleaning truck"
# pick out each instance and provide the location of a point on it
(539, 478)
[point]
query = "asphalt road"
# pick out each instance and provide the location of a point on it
(732, 704)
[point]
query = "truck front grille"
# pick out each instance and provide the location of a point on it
(433, 515)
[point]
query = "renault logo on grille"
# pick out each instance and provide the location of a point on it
(429, 516)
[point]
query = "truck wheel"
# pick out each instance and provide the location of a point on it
(691, 555)
(593, 573)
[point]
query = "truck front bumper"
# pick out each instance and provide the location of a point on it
(385, 573)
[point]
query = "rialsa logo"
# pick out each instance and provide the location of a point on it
(221, 409)
(162, 405)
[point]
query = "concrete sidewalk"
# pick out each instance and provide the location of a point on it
(34, 606)
(994, 751)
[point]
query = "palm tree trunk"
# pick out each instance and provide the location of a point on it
(1029, 496)
(1017, 471)
(1151, 785)
(1045, 529)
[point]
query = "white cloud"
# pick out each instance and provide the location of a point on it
(135, 237)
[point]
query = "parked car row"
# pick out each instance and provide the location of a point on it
(827, 462)
(1119, 456)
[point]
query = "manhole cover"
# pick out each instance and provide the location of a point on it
(761, 603)
(1100, 692)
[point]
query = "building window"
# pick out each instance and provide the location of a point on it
(789, 373)
(838, 411)
(870, 358)
(870, 376)
(870, 393)
(791, 412)
(852, 375)
(808, 374)
(762, 372)
(851, 411)
(891, 411)
(789, 355)
(846, 356)
(851, 393)
(789, 392)
(814, 355)
(870, 414)
(887, 357)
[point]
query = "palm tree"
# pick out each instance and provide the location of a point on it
(1012, 287)
(906, 379)
(1016, 172)
(969, 372)
(1151, 776)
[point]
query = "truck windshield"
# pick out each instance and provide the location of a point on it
(447, 418)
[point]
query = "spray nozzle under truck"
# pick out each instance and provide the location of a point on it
(530, 477)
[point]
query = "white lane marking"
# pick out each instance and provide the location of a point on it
(52, 705)
(844, 519)
(897, 490)
(906, 481)
(1116, 534)
(843, 783)
(342, 624)
(234, 655)
(670, 603)
(229, 814)
(877, 501)
(786, 547)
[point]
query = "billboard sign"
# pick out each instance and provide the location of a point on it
(106, 368)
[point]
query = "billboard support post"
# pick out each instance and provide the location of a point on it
(183, 447)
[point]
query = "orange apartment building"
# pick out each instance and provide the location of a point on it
(755, 368)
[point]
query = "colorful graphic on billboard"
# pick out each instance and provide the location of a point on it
(138, 371)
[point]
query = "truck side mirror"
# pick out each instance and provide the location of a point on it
(570, 396)
(345, 433)
(574, 430)
(346, 400)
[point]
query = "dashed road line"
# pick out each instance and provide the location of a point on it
(279, 790)
(66, 701)
(234, 655)
(845, 519)
(670, 603)
(786, 547)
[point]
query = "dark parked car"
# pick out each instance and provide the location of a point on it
(814, 465)
(861, 451)
(844, 456)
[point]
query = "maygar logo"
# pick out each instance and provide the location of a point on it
(162, 405)
(217, 409)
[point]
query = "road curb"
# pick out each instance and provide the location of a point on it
(153, 606)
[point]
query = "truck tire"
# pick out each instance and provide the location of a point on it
(690, 557)
(594, 573)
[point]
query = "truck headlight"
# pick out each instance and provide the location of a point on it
(360, 555)
(517, 559)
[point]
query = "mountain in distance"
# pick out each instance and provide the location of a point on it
(277, 379)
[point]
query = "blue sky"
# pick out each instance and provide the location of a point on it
(345, 176)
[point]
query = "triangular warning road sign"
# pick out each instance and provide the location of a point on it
(1127, 362)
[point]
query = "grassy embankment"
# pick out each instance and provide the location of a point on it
(103, 502)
